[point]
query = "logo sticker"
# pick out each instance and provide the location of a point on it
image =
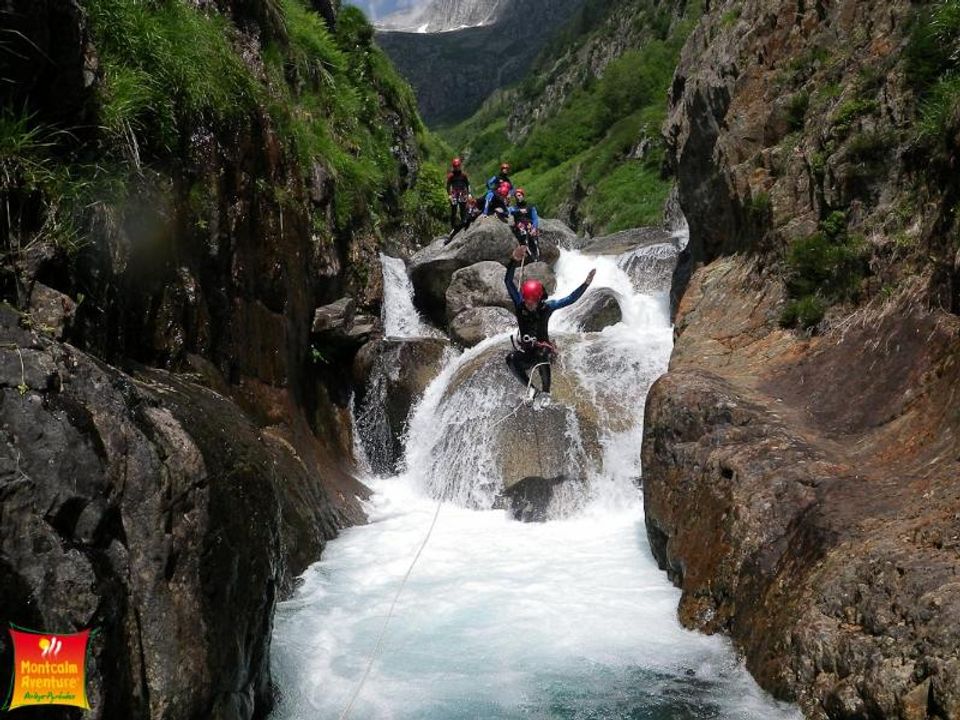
(49, 669)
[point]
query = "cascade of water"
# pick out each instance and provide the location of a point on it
(501, 619)
(400, 317)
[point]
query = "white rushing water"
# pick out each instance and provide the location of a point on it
(501, 619)
(400, 317)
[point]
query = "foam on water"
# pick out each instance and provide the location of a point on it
(500, 619)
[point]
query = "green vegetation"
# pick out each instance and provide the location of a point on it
(850, 111)
(933, 68)
(603, 145)
(797, 110)
(169, 69)
(166, 66)
(730, 17)
(42, 198)
(823, 269)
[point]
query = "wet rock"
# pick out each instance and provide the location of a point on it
(529, 499)
(432, 269)
(793, 518)
(625, 241)
(399, 372)
(478, 285)
(474, 325)
(482, 285)
(598, 309)
(334, 318)
(337, 326)
(50, 311)
(500, 439)
(651, 268)
(556, 233)
(144, 507)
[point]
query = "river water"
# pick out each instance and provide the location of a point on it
(499, 619)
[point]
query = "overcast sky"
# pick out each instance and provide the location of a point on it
(376, 9)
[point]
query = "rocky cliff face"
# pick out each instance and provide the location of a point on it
(174, 440)
(454, 72)
(800, 487)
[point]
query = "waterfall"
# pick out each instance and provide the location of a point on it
(400, 317)
(500, 619)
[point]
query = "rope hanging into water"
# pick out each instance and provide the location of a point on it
(522, 402)
(383, 631)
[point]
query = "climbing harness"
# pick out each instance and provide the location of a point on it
(383, 631)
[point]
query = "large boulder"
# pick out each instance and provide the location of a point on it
(556, 233)
(432, 269)
(492, 439)
(482, 285)
(530, 499)
(651, 268)
(598, 309)
(473, 326)
(155, 510)
(338, 326)
(397, 372)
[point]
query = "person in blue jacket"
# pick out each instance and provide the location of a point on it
(495, 182)
(526, 223)
(533, 310)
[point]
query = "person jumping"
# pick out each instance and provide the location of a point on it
(533, 310)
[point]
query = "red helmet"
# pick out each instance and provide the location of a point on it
(504, 167)
(520, 193)
(503, 189)
(457, 163)
(532, 291)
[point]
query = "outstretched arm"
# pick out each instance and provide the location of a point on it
(572, 297)
(511, 286)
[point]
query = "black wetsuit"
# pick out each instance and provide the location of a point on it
(535, 348)
(458, 188)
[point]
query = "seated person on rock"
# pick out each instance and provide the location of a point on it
(473, 212)
(497, 180)
(533, 309)
(499, 204)
(526, 224)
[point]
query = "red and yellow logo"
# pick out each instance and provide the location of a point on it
(49, 669)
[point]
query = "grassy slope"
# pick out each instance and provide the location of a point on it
(169, 70)
(589, 139)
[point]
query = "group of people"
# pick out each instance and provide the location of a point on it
(532, 346)
(502, 201)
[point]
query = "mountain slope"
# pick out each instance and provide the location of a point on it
(453, 72)
(582, 129)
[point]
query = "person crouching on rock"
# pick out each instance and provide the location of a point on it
(473, 211)
(497, 205)
(526, 223)
(533, 309)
